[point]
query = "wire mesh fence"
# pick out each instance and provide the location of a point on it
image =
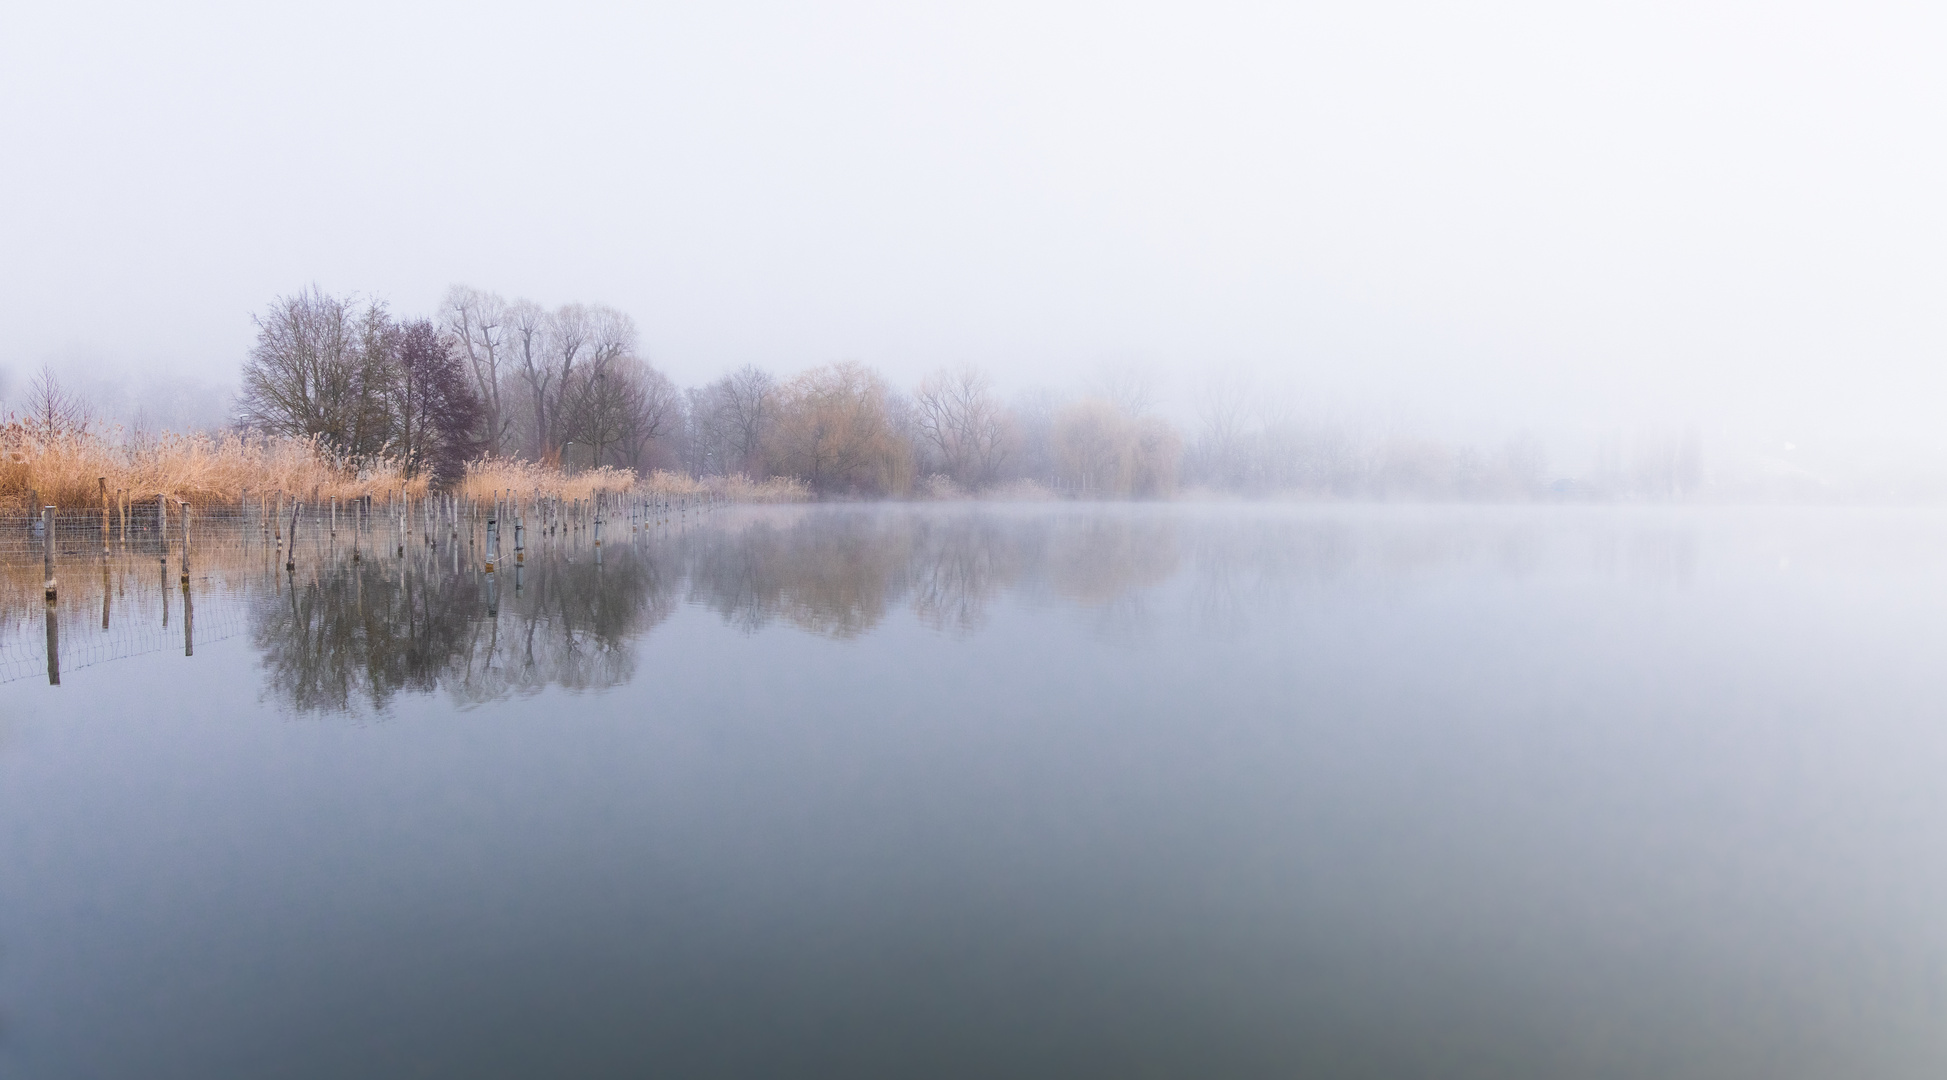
(84, 586)
(159, 524)
(85, 627)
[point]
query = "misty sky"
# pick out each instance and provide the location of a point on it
(1481, 216)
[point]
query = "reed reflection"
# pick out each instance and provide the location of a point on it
(355, 634)
(349, 633)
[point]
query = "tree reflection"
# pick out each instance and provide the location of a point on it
(346, 634)
(836, 575)
(352, 635)
(961, 563)
(356, 634)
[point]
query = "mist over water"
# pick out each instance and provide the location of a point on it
(1380, 540)
(1599, 227)
(1003, 790)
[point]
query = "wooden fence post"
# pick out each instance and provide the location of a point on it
(290, 558)
(47, 547)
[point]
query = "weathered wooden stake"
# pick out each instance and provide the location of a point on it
(290, 563)
(493, 542)
(47, 547)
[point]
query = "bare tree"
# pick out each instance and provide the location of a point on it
(701, 447)
(1031, 418)
(747, 406)
(1221, 454)
(323, 367)
(612, 400)
(475, 323)
(595, 416)
(587, 343)
(612, 335)
(1129, 385)
(371, 407)
(958, 418)
(527, 338)
(656, 410)
(52, 411)
(567, 334)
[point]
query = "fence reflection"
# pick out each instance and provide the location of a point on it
(338, 627)
(357, 633)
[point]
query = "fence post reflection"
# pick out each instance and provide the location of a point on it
(53, 645)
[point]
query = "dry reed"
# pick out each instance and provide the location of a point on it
(201, 470)
(205, 470)
(492, 477)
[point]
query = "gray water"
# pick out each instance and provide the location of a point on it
(1002, 791)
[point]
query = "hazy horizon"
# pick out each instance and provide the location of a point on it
(1584, 225)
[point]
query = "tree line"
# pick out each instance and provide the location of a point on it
(568, 387)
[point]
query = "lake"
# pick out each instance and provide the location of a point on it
(968, 790)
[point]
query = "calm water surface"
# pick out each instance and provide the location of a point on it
(997, 791)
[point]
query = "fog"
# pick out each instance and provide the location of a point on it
(1071, 790)
(1596, 226)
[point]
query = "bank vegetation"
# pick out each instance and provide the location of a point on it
(341, 398)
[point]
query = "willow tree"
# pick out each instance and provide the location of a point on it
(1103, 452)
(834, 430)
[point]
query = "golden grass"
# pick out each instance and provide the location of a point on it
(490, 478)
(493, 477)
(741, 488)
(206, 470)
(201, 470)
